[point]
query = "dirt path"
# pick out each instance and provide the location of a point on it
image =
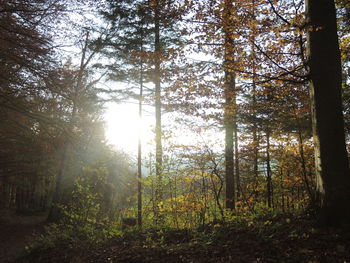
(15, 231)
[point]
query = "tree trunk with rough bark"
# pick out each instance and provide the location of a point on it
(332, 167)
(229, 108)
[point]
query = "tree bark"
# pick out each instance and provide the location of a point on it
(139, 147)
(303, 168)
(254, 108)
(5, 192)
(268, 170)
(332, 167)
(158, 105)
(236, 156)
(229, 164)
(139, 158)
(55, 214)
(229, 108)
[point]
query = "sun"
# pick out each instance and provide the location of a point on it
(123, 127)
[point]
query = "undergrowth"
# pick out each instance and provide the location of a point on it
(262, 236)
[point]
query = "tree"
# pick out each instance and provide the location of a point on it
(214, 33)
(26, 50)
(77, 90)
(230, 117)
(331, 160)
(148, 30)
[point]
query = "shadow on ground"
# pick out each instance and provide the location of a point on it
(15, 232)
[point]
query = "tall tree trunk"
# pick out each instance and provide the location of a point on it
(5, 192)
(256, 156)
(268, 170)
(303, 168)
(254, 107)
(236, 156)
(54, 214)
(158, 105)
(229, 165)
(332, 167)
(229, 109)
(139, 151)
(139, 148)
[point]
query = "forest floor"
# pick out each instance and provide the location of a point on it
(283, 238)
(16, 231)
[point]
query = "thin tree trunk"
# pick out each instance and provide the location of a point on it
(139, 154)
(139, 148)
(303, 168)
(5, 192)
(236, 141)
(158, 105)
(54, 213)
(254, 105)
(268, 170)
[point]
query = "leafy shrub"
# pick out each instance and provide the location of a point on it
(82, 223)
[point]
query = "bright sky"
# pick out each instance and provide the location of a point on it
(122, 129)
(123, 126)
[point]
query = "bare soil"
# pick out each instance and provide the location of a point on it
(16, 231)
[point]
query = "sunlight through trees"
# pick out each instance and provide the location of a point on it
(179, 113)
